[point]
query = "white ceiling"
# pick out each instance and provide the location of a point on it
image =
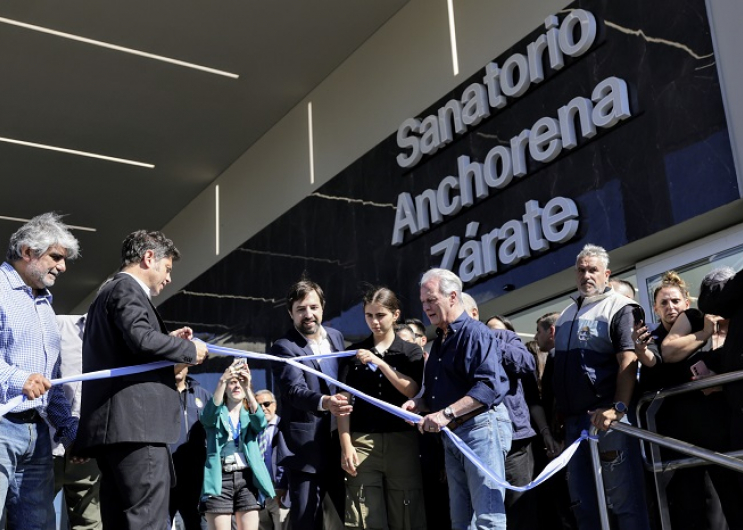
(190, 124)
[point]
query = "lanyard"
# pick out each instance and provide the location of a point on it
(235, 432)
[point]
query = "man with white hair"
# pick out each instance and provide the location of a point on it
(594, 378)
(29, 358)
(464, 390)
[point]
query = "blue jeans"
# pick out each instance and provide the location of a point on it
(622, 473)
(26, 475)
(476, 502)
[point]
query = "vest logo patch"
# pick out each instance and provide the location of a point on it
(587, 330)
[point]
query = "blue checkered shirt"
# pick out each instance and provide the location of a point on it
(30, 343)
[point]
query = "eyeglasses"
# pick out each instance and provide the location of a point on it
(266, 404)
(419, 335)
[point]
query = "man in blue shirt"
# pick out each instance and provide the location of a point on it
(465, 384)
(520, 366)
(29, 358)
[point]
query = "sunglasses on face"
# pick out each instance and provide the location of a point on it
(266, 404)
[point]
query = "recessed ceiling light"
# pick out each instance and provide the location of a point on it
(76, 152)
(116, 47)
(311, 143)
(453, 38)
(22, 220)
(216, 219)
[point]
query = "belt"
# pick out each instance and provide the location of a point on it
(231, 468)
(456, 422)
(27, 416)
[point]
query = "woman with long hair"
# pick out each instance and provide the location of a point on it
(235, 476)
(379, 452)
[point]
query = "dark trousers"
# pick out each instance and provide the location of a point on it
(553, 498)
(185, 495)
(689, 499)
(306, 492)
(435, 487)
(521, 509)
(135, 486)
(703, 421)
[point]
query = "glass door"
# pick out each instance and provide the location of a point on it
(692, 262)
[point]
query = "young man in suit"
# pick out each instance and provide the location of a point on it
(127, 422)
(311, 455)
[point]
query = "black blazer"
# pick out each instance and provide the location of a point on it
(306, 431)
(124, 329)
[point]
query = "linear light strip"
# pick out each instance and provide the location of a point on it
(312, 146)
(216, 220)
(22, 220)
(76, 152)
(117, 48)
(453, 38)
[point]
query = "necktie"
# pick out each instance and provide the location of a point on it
(264, 444)
(264, 438)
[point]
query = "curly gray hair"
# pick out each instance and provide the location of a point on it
(41, 233)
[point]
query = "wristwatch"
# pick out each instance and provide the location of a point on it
(449, 414)
(620, 407)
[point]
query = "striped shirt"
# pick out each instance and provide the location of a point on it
(30, 343)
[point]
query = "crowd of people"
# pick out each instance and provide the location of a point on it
(136, 450)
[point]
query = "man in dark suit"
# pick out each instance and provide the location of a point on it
(311, 455)
(127, 422)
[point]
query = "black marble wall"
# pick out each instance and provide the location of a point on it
(669, 162)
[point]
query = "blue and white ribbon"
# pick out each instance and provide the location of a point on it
(553, 467)
(100, 374)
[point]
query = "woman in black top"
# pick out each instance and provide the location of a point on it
(664, 364)
(379, 451)
(682, 339)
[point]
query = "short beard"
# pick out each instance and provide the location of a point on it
(595, 289)
(40, 276)
(304, 327)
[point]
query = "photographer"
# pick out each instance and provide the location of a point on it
(235, 476)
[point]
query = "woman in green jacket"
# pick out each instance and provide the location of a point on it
(235, 476)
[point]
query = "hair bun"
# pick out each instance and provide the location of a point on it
(672, 279)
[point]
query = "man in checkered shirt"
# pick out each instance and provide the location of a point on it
(29, 358)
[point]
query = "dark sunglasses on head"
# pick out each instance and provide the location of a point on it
(266, 403)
